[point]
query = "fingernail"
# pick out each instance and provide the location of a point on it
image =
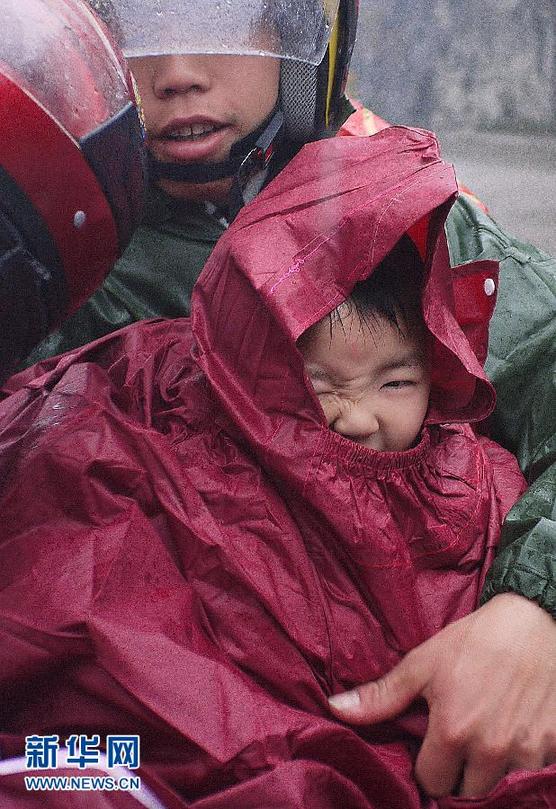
(348, 701)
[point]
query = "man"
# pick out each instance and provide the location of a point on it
(212, 149)
(71, 167)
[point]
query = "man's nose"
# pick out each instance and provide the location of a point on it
(177, 74)
(357, 421)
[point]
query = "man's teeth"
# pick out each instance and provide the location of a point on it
(194, 132)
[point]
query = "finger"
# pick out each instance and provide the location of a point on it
(440, 763)
(486, 766)
(529, 754)
(481, 774)
(383, 698)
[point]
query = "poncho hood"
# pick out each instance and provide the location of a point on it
(324, 224)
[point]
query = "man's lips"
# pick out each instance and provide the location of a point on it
(192, 127)
(192, 139)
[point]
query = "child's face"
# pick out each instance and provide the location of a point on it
(371, 381)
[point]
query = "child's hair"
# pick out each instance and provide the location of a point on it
(392, 292)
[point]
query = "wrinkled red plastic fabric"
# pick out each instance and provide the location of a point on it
(188, 552)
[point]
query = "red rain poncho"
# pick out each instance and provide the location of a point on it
(190, 554)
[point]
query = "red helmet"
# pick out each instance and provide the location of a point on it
(71, 165)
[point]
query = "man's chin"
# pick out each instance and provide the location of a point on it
(216, 192)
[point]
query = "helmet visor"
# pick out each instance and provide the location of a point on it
(50, 48)
(288, 29)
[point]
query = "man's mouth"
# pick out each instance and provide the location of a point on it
(193, 132)
(185, 141)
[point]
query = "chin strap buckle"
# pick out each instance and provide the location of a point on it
(258, 158)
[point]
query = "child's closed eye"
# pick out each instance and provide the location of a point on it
(397, 384)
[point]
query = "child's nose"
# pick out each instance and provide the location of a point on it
(177, 74)
(357, 421)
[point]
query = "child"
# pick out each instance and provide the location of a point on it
(191, 554)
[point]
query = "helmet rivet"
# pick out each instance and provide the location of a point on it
(489, 286)
(79, 219)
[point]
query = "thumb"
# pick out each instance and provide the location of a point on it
(383, 698)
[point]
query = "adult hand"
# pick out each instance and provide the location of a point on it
(490, 683)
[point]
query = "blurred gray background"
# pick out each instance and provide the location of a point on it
(482, 75)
